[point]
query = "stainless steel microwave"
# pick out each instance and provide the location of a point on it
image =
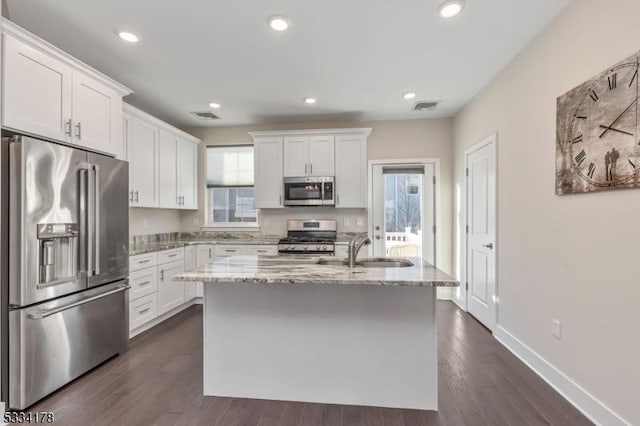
(309, 191)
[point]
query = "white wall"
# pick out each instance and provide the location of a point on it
(154, 221)
(388, 140)
(574, 258)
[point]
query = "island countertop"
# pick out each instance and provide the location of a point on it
(305, 270)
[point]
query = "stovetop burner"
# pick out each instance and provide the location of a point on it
(309, 237)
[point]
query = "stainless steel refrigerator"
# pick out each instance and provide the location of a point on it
(65, 267)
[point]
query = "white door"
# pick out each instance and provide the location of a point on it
(296, 156)
(268, 186)
(187, 174)
(167, 170)
(321, 155)
(37, 92)
(404, 206)
(170, 293)
(143, 161)
(97, 115)
(350, 172)
(481, 217)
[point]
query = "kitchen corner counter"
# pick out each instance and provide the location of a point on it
(142, 248)
(304, 270)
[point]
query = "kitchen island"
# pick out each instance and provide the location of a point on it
(287, 328)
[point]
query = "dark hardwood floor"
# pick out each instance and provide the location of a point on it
(159, 382)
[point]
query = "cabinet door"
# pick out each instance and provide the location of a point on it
(268, 185)
(189, 258)
(187, 174)
(296, 156)
(167, 169)
(143, 164)
(170, 293)
(97, 115)
(189, 290)
(199, 289)
(37, 92)
(204, 255)
(321, 156)
(127, 130)
(351, 172)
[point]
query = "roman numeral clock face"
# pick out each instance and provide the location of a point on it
(604, 134)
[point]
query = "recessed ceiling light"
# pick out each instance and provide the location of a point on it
(279, 23)
(409, 95)
(128, 36)
(310, 101)
(450, 8)
(214, 105)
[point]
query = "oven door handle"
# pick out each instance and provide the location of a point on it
(40, 314)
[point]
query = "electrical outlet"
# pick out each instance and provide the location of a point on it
(360, 221)
(556, 329)
(145, 224)
(346, 221)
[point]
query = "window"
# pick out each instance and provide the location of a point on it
(230, 197)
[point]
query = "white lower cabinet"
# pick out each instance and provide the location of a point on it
(142, 310)
(143, 283)
(170, 293)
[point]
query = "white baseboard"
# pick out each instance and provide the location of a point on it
(586, 403)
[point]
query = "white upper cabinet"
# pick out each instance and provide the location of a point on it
(97, 115)
(168, 179)
(50, 94)
(341, 153)
(36, 91)
(308, 156)
(143, 154)
(187, 167)
(163, 163)
(321, 155)
(267, 169)
(351, 171)
(296, 156)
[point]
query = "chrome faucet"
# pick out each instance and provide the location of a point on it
(355, 245)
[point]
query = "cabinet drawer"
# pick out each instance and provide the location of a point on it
(262, 250)
(141, 261)
(142, 310)
(229, 250)
(172, 255)
(143, 283)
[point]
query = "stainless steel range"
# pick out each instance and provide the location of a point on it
(310, 237)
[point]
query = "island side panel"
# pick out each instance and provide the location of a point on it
(360, 345)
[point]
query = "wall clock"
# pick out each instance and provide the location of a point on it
(598, 134)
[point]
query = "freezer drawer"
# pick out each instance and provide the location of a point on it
(52, 343)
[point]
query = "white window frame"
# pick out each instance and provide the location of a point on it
(227, 226)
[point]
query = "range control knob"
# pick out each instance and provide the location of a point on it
(292, 247)
(324, 248)
(317, 247)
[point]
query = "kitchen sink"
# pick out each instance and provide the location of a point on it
(368, 262)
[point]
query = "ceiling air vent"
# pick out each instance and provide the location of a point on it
(205, 115)
(425, 106)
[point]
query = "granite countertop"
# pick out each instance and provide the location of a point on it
(304, 270)
(143, 248)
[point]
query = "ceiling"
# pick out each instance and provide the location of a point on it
(357, 56)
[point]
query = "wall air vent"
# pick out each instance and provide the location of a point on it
(205, 115)
(425, 106)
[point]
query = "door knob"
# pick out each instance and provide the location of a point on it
(377, 228)
(489, 246)
(378, 237)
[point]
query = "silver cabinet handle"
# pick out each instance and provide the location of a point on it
(338, 199)
(280, 201)
(489, 246)
(143, 283)
(131, 196)
(230, 251)
(311, 168)
(173, 255)
(209, 252)
(79, 130)
(162, 275)
(144, 261)
(144, 310)
(137, 198)
(67, 127)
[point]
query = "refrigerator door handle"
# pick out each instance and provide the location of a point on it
(46, 313)
(96, 219)
(85, 215)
